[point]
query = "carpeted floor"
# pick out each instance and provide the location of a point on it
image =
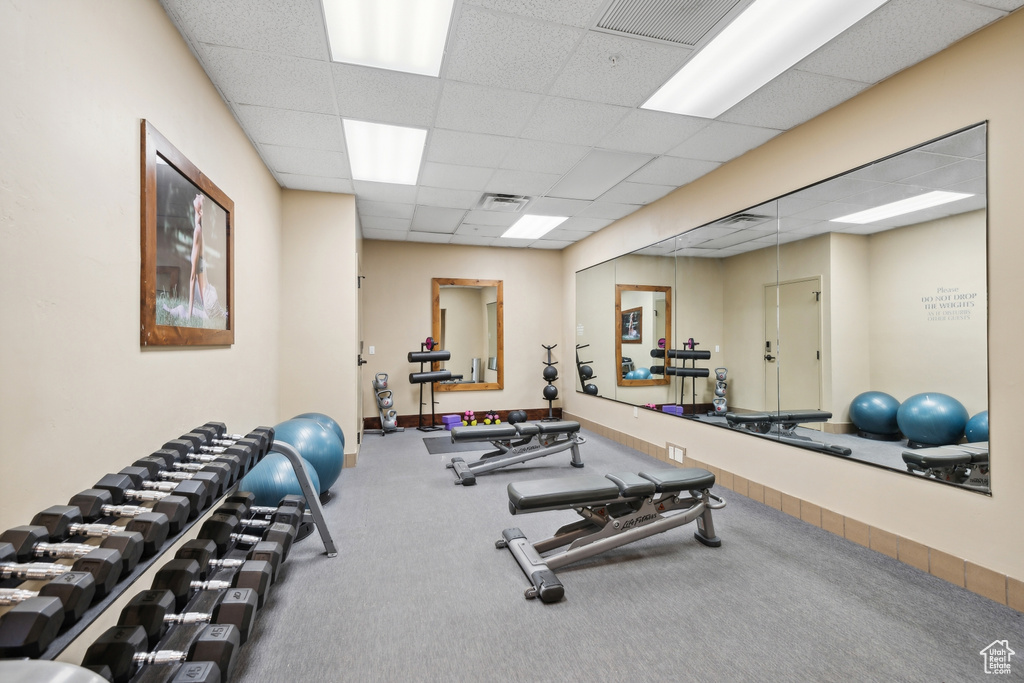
(419, 593)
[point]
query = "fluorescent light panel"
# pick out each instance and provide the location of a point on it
(532, 227)
(921, 201)
(765, 40)
(383, 153)
(401, 35)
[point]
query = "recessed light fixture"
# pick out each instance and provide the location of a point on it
(383, 153)
(401, 35)
(921, 201)
(765, 40)
(532, 227)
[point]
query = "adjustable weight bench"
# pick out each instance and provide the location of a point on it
(616, 509)
(964, 464)
(515, 443)
(783, 426)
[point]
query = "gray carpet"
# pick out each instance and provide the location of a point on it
(419, 593)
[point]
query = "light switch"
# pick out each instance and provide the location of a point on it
(372, 351)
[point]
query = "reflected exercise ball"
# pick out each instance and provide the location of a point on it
(590, 389)
(643, 373)
(932, 419)
(874, 413)
(586, 372)
(977, 427)
(273, 478)
(315, 443)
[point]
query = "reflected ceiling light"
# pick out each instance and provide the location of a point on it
(765, 40)
(401, 35)
(533, 227)
(921, 201)
(383, 153)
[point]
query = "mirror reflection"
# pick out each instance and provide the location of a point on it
(849, 317)
(467, 322)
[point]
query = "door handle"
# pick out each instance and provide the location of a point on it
(361, 361)
(769, 357)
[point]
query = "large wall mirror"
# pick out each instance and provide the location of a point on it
(467, 322)
(860, 301)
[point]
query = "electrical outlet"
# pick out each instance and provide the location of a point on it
(636, 412)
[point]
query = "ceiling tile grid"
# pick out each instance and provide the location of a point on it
(385, 96)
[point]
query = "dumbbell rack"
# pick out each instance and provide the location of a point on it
(551, 383)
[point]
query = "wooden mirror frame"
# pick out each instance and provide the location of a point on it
(436, 284)
(619, 289)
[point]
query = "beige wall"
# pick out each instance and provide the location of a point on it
(396, 308)
(78, 397)
(846, 352)
(973, 81)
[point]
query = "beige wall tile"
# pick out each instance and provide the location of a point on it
(857, 532)
(725, 480)
(810, 513)
(791, 505)
(739, 484)
(832, 522)
(986, 582)
(755, 491)
(913, 553)
(772, 498)
(1015, 594)
(946, 566)
(884, 542)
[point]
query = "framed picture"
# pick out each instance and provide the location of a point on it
(632, 325)
(187, 293)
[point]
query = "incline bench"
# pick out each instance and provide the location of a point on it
(617, 509)
(965, 464)
(515, 443)
(783, 425)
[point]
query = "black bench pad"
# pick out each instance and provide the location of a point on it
(558, 427)
(632, 485)
(947, 456)
(786, 417)
(683, 479)
(484, 433)
(567, 491)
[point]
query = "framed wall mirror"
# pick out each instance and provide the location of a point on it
(467, 321)
(643, 324)
(856, 307)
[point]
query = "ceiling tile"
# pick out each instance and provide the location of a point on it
(511, 243)
(596, 173)
(288, 27)
(653, 132)
(568, 235)
(584, 224)
(390, 235)
(673, 171)
(897, 35)
(481, 230)
(617, 70)
(505, 181)
(503, 50)
(278, 81)
(581, 13)
(368, 207)
(722, 142)
(557, 119)
(543, 157)
(315, 183)
(468, 149)
(435, 237)
(439, 196)
(636, 193)
(311, 162)
(454, 176)
(472, 240)
(496, 218)
(385, 192)
(1006, 5)
(479, 109)
(904, 166)
(552, 206)
(385, 223)
(792, 98)
(545, 243)
(291, 128)
(436, 219)
(603, 209)
(385, 96)
(838, 188)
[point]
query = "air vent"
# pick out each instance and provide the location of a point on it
(744, 219)
(509, 203)
(684, 22)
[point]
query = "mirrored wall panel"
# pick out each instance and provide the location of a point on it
(849, 317)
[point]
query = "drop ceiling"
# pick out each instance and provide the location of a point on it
(535, 97)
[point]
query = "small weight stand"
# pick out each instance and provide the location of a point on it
(427, 354)
(550, 391)
(388, 416)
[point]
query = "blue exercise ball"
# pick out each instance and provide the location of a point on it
(273, 478)
(325, 421)
(643, 373)
(631, 374)
(874, 412)
(315, 443)
(932, 419)
(977, 427)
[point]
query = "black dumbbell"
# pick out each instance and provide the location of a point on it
(120, 651)
(183, 577)
(289, 506)
(106, 563)
(226, 528)
(95, 504)
(204, 551)
(127, 487)
(188, 458)
(153, 610)
(62, 521)
(75, 590)
(164, 465)
(28, 628)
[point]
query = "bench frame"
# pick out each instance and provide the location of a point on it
(533, 443)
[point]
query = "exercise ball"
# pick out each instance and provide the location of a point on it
(273, 478)
(328, 421)
(977, 427)
(550, 392)
(631, 374)
(643, 373)
(586, 372)
(590, 389)
(874, 412)
(315, 443)
(516, 416)
(550, 373)
(932, 419)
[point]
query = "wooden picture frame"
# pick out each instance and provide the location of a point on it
(438, 332)
(187, 226)
(632, 326)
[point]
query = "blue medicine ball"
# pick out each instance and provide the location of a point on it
(874, 412)
(977, 427)
(932, 419)
(273, 478)
(315, 443)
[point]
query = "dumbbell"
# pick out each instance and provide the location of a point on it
(287, 512)
(297, 503)
(66, 520)
(75, 590)
(124, 487)
(164, 464)
(181, 454)
(121, 651)
(183, 577)
(106, 563)
(153, 610)
(225, 528)
(28, 628)
(204, 551)
(97, 503)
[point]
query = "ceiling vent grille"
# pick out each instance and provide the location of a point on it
(744, 219)
(684, 22)
(509, 203)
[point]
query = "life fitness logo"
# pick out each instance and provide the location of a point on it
(997, 657)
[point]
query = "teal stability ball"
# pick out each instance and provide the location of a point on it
(315, 443)
(643, 373)
(977, 427)
(874, 412)
(325, 421)
(273, 478)
(932, 419)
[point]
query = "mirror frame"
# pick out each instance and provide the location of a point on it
(619, 289)
(435, 286)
